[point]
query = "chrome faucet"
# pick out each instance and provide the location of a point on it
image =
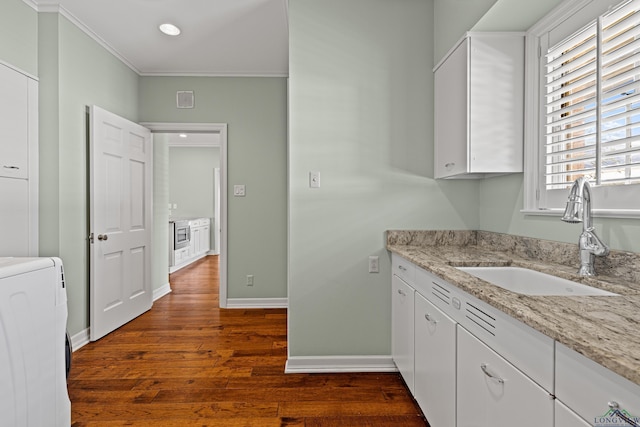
(579, 210)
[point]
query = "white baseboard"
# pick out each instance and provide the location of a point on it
(80, 339)
(174, 268)
(161, 291)
(338, 364)
(257, 303)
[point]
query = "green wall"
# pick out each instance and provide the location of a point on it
(361, 113)
(501, 200)
(191, 182)
(19, 35)
(254, 109)
(77, 72)
(160, 260)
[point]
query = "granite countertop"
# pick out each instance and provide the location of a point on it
(605, 329)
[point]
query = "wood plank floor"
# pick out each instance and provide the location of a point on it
(188, 363)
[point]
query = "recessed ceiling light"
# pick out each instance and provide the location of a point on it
(182, 135)
(169, 29)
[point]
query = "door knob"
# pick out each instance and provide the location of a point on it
(103, 237)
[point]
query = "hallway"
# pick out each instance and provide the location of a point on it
(187, 363)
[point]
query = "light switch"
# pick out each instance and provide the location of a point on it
(314, 179)
(238, 190)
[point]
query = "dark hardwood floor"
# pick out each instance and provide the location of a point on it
(188, 363)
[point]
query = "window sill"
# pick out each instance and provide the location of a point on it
(597, 213)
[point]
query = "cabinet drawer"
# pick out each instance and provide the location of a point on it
(403, 268)
(492, 392)
(204, 221)
(565, 417)
(587, 387)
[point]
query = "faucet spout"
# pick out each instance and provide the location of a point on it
(579, 210)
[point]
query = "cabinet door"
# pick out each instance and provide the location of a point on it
(14, 124)
(194, 242)
(14, 227)
(435, 364)
(565, 417)
(402, 298)
(205, 239)
(493, 393)
(451, 114)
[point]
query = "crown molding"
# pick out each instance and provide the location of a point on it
(57, 8)
(31, 4)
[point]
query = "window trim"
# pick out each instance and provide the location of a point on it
(533, 111)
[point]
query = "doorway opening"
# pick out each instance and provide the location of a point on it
(201, 135)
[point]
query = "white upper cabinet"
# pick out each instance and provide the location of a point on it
(18, 163)
(14, 124)
(479, 107)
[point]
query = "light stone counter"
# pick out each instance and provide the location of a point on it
(605, 329)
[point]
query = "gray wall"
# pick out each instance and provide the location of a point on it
(255, 112)
(361, 113)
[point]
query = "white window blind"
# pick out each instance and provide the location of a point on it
(593, 103)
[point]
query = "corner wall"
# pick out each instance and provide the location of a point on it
(361, 113)
(77, 72)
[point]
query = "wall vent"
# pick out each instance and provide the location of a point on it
(185, 99)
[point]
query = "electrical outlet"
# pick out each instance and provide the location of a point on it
(249, 279)
(314, 179)
(374, 264)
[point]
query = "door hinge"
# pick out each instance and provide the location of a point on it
(90, 237)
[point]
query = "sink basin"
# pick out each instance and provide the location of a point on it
(531, 282)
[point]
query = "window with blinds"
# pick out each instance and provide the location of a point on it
(593, 102)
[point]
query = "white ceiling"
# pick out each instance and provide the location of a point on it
(219, 37)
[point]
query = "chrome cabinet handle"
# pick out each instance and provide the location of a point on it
(103, 237)
(430, 319)
(402, 268)
(402, 293)
(11, 167)
(490, 375)
(449, 165)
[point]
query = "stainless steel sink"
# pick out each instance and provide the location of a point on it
(531, 282)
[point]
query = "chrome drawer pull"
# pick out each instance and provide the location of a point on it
(11, 167)
(402, 268)
(430, 320)
(490, 375)
(402, 293)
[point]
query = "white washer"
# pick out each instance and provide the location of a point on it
(33, 318)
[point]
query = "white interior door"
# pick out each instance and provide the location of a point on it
(120, 220)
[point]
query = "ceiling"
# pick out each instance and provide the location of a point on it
(219, 37)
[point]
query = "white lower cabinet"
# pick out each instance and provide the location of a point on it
(14, 227)
(565, 417)
(593, 392)
(492, 392)
(402, 339)
(435, 363)
(468, 364)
